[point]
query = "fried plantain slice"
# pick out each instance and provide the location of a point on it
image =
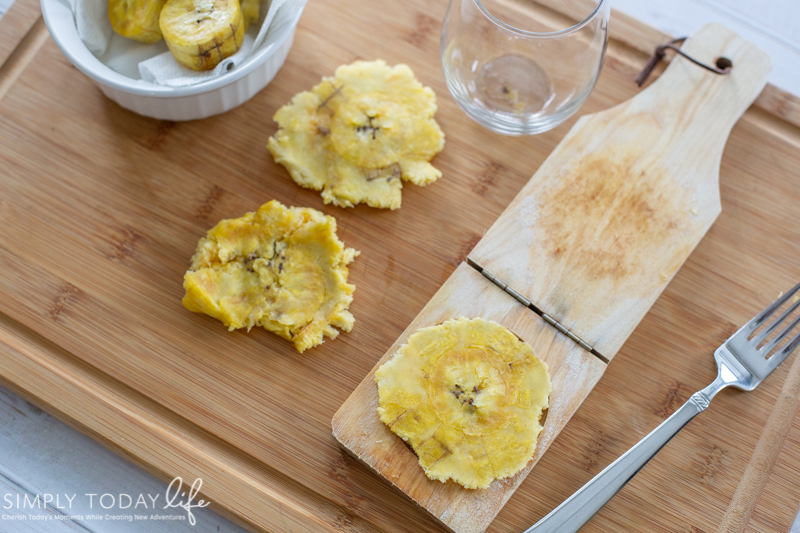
(282, 268)
(357, 135)
(467, 396)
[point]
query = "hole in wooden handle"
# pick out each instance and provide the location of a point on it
(723, 63)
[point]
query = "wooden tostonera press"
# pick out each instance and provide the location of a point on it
(580, 255)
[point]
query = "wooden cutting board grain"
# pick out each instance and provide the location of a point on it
(101, 209)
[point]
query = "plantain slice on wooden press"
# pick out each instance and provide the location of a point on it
(468, 396)
(579, 256)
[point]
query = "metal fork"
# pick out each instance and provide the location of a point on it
(741, 363)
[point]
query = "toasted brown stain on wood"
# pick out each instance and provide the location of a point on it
(606, 214)
(672, 399)
(344, 522)
(163, 128)
(124, 243)
(209, 202)
(594, 449)
(62, 299)
(486, 178)
(711, 461)
(492, 174)
(425, 27)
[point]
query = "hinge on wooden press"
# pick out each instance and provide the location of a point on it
(527, 303)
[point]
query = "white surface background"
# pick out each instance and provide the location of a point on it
(39, 454)
(773, 25)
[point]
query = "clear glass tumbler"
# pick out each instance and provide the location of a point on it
(520, 67)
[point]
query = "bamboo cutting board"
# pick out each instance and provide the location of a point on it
(589, 243)
(100, 211)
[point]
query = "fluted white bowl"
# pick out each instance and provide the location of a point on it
(178, 103)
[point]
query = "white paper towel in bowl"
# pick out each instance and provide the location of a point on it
(91, 20)
(154, 64)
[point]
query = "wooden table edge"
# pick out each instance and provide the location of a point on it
(22, 34)
(116, 416)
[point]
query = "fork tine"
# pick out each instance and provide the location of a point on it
(779, 337)
(778, 358)
(794, 343)
(769, 329)
(771, 308)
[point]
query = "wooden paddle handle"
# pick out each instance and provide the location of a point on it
(697, 107)
(769, 445)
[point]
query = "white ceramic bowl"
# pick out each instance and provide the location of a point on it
(182, 103)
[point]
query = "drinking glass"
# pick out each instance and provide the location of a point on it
(521, 67)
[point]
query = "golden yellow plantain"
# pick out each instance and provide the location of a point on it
(250, 10)
(201, 33)
(468, 397)
(284, 269)
(136, 19)
(356, 135)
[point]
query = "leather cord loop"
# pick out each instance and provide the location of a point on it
(661, 51)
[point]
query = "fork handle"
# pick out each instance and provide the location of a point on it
(576, 510)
